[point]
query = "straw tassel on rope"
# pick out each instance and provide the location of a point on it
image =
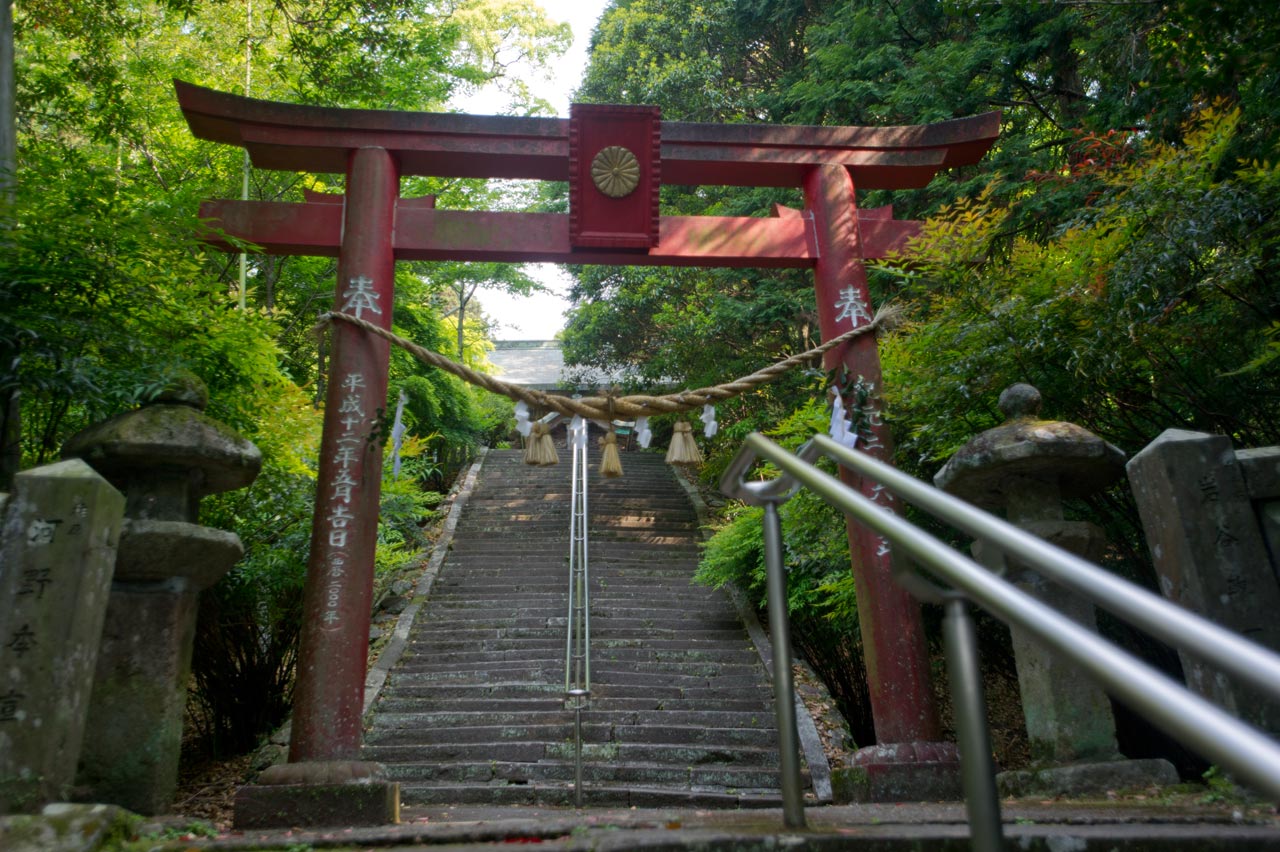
(541, 450)
(610, 461)
(683, 449)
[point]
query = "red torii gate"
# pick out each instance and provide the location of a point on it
(615, 159)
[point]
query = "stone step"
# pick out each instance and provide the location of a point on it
(496, 737)
(551, 771)
(407, 701)
(391, 718)
(681, 711)
(456, 631)
(548, 652)
(592, 796)
(612, 756)
(546, 639)
(403, 686)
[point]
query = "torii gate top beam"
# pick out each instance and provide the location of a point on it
(293, 137)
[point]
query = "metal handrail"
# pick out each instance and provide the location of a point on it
(577, 653)
(1252, 755)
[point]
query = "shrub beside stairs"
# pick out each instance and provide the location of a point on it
(681, 709)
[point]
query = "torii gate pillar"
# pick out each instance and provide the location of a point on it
(909, 761)
(328, 700)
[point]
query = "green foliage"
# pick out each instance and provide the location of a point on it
(821, 599)
(105, 292)
(1108, 250)
(247, 632)
(1138, 316)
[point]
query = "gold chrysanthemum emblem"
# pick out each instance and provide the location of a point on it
(615, 171)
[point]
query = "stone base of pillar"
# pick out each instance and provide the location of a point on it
(900, 772)
(1082, 779)
(314, 795)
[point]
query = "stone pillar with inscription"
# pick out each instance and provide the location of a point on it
(1209, 552)
(1025, 468)
(165, 457)
(58, 543)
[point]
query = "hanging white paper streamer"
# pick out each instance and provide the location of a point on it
(839, 431)
(523, 426)
(643, 435)
(397, 437)
(709, 424)
(578, 432)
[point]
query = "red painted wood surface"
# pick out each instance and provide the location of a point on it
(423, 233)
(338, 595)
(893, 643)
(292, 137)
(596, 219)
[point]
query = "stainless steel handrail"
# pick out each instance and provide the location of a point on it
(577, 652)
(1252, 755)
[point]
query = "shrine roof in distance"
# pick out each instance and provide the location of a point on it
(294, 137)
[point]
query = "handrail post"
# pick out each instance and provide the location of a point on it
(977, 768)
(783, 689)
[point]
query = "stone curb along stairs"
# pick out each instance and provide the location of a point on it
(466, 704)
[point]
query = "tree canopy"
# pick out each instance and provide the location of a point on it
(1116, 247)
(106, 292)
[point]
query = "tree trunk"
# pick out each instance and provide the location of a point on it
(10, 409)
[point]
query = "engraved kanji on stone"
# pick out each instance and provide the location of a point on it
(23, 640)
(351, 405)
(1209, 490)
(9, 704)
(360, 297)
(80, 510)
(41, 532)
(337, 538)
(33, 582)
(353, 382)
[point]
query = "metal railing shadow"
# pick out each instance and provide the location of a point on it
(1218, 736)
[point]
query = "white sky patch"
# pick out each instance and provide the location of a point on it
(541, 316)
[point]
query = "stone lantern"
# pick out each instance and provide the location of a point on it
(164, 457)
(1026, 468)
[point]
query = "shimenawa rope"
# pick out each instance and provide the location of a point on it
(606, 408)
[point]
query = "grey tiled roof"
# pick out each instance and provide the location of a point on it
(537, 364)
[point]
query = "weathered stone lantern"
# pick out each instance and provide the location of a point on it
(1026, 468)
(164, 457)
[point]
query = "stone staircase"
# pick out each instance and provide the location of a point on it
(474, 712)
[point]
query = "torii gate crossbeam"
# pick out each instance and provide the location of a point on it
(615, 159)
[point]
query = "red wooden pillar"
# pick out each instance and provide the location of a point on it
(329, 694)
(892, 634)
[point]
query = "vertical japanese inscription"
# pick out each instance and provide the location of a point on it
(344, 489)
(359, 297)
(57, 554)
